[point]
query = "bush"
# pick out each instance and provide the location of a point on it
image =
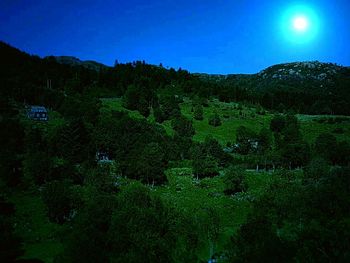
(234, 180)
(58, 199)
(338, 130)
(198, 112)
(215, 120)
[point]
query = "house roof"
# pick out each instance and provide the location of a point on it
(38, 109)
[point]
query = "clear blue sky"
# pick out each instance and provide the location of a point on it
(221, 36)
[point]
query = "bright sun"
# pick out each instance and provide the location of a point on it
(300, 23)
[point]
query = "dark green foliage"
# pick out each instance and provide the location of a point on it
(141, 227)
(168, 108)
(246, 140)
(131, 97)
(257, 241)
(294, 220)
(342, 156)
(293, 150)
(58, 198)
(265, 140)
(198, 112)
(295, 154)
(213, 148)
(277, 123)
(150, 166)
(325, 146)
(36, 167)
(82, 107)
(10, 243)
(183, 127)
(12, 144)
(318, 168)
(234, 180)
(207, 158)
(204, 165)
(138, 146)
(36, 163)
(182, 140)
(140, 96)
(74, 142)
(215, 120)
(88, 239)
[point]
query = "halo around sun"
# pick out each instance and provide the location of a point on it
(300, 24)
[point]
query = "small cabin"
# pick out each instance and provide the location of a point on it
(103, 157)
(38, 113)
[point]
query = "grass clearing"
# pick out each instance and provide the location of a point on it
(32, 225)
(233, 116)
(192, 197)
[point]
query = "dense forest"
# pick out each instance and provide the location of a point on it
(141, 163)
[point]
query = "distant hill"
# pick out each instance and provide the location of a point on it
(73, 61)
(310, 76)
(302, 71)
(313, 76)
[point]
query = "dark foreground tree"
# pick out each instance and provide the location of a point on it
(10, 243)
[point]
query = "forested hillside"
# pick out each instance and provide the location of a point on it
(140, 163)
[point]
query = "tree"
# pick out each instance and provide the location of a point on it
(204, 164)
(257, 241)
(278, 123)
(12, 144)
(58, 199)
(234, 180)
(183, 127)
(212, 226)
(295, 154)
(198, 112)
(10, 243)
(131, 97)
(36, 167)
(75, 142)
(213, 148)
(87, 242)
(318, 168)
(151, 164)
(215, 120)
(139, 97)
(245, 139)
(291, 132)
(168, 108)
(264, 141)
(141, 227)
(325, 146)
(343, 153)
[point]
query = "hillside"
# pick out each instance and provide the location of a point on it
(141, 163)
(73, 61)
(319, 77)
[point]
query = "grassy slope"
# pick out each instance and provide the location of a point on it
(32, 225)
(194, 197)
(189, 196)
(227, 131)
(41, 237)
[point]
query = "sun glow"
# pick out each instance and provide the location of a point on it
(300, 23)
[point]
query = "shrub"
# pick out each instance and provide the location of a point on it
(215, 120)
(234, 180)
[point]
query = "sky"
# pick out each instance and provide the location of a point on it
(207, 36)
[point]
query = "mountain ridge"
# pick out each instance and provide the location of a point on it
(74, 61)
